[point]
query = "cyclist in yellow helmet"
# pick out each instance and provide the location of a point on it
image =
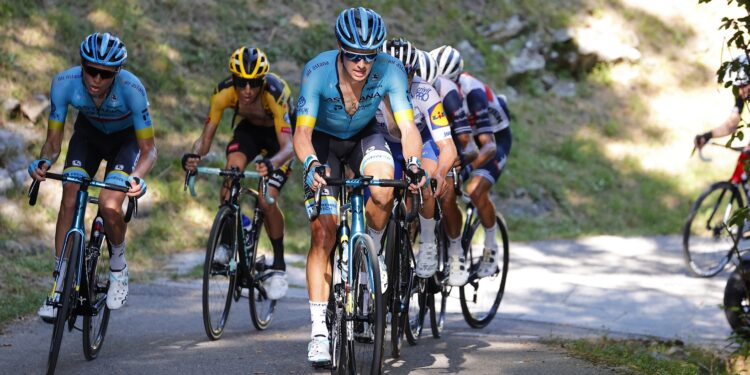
(262, 105)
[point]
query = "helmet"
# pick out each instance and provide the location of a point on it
(103, 49)
(449, 62)
(360, 28)
(739, 77)
(426, 66)
(248, 63)
(401, 49)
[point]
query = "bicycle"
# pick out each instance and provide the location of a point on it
(86, 279)
(356, 311)
(245, 267)
(479, 297)
(706, 239)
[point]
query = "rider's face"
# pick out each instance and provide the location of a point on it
(98, 78)
(356, 62)
(246, 92)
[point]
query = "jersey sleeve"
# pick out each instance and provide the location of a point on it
(434, 114)
(277, 100)
(138, 103)
(58, 104)
(399, 94)
(476, 101)
(224, 97)
(454, 109)
(309, 97)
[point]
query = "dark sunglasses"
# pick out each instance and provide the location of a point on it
(355, 57)
(93, 72)
(242, 82)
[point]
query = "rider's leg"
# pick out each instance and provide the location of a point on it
(323, 230)
(451, 220)
(110, 207)
(274, 224)
(426, 259)
(234, 159)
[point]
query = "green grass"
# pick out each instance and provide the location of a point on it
(646, 356)
(23, 283)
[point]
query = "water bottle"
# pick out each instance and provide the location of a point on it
(98, 227)
(246, 230)
(345, 261)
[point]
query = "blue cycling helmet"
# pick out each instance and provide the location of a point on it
(360, 28)
(103, 49)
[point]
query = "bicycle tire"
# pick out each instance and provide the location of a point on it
(261, 308)
(393, 260)
(415, 316)
(436, 291)
(219, 279)
(405, 289)
(737, 300)
(707, 249)
(335, 320)
(477, 312)
(67, 302)
(368, 305)
(97, 281)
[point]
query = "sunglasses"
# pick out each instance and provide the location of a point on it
(242, 82)
(93, 72)
(355, 57)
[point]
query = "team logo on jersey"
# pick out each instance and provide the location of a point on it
(423, 93)
(437, 115)
(76, 163)
(302, 101)
(146, 117)
(119, 167)
(374, 76)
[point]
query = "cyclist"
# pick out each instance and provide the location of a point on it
(113, 124)
(340, 92)
(489, 117)
(263, 102)
(741, 81)
(438, 149)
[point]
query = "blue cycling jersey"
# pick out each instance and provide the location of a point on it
(126, 104)
(321, 106)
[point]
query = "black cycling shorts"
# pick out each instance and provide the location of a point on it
(253, 140)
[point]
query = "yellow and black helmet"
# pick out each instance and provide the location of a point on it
(248, 63)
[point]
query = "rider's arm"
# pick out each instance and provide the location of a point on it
(403, 113)
(440, 130)
(144, 133)
(726, 128)
(279, 105)
(453, 105)
(477, 103)
(221, 99)
(56, 121)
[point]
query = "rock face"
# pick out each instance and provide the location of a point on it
(13, 160)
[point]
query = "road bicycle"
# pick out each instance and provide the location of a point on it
(243, 264)
(480, 297)
(86, 278)
(707, 240)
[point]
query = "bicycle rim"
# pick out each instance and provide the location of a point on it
(481, 297)
(261, 307)
(95, 326)
(707, 246)
(368, 320)
(335, 320)
(219, 279)
(67, 302)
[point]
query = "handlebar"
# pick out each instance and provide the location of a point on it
(707, 159)
(233, 173)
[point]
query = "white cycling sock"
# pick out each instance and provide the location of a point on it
(377, 236)
(117, 257)
(318, 319)
(454, 247)
(489, 237)
(427, 232)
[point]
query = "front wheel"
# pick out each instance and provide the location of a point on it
(366, 317)
(95, 325)
(261, 307)
(737, 300)
(481, 297)
(706, 243)
(219, 272)
(66, 302)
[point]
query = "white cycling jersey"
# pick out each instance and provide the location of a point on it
(486, 111)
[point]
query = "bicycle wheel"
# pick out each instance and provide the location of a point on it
(66, 302)
(367, 320)
(737, 300)
(335, 319)
(393, 295)
(218, 278)
(261, 307)
(413, 321)
(97, 281)
(436, 291)
(706, 244)
(480, 297)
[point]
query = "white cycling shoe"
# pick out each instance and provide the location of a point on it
(458, 274)
(276, 285)
(319, 351)
(47, 312)
(221, 255)
(488, 264)
(118, 288)
(427, 260)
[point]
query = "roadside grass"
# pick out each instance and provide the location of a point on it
(645, 356)
(23, 285)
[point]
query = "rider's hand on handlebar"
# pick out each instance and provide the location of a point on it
(441, 185)
(38, 168)
(701, 139)
(190, 162)
(315, 175)
(264, 167)
(416, 175)
(137, 187)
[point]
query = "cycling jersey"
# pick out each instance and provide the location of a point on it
(428, 115)
(487, 112)
(125, 105)
(321, 105)
(453, 104)
(275, 100)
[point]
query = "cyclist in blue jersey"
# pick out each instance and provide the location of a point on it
(339, 94)
(113, 124)
(438, 149)
(489, 117)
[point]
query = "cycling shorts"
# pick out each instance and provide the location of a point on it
(429, 151)
(253, 140)
(492, 169)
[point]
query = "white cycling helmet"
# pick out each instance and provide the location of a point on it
(426, 66)
(449, 62)
(739, 77)
(401, 49)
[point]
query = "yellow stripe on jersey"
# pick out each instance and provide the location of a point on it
(55, 125)
(308, 121)
(144, 133)
(404, 115)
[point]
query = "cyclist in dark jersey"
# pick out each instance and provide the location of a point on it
(113, 124)
(340, 92)
(262, 101)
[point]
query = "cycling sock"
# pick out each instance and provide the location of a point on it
(318, 319)
(278, 254)
(117, 257)
(454, 247)
(427, 232)
(377, 237)
(489, 237)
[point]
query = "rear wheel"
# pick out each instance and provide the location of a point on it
(481, 297)
(367, 320)
(66, 301)
(706, 242)
(219, 277)
(97, 273)
(737, 300)
(261, 307)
